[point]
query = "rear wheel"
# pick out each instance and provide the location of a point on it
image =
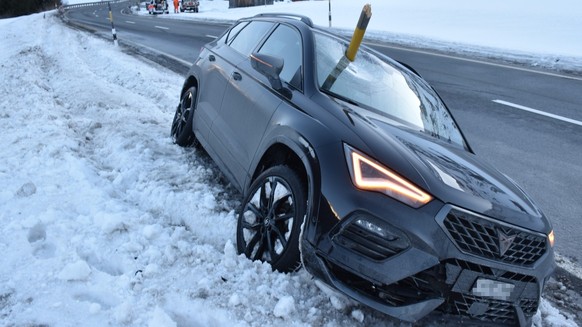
(182, 132)
(269, 224)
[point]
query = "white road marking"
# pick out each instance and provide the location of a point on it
(162, 27)
(478, 61)
(129, 22)
(539, 112)
(211, 36)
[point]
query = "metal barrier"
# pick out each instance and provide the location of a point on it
(90, 4)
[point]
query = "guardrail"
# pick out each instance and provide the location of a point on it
(90, 4)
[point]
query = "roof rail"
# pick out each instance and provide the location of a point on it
(302, 18)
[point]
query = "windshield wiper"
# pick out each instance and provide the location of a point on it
(340, 97)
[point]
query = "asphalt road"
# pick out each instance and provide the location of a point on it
(540, 149)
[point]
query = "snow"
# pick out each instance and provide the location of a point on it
(106, 222)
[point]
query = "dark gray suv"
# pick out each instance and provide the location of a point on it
(358, 172)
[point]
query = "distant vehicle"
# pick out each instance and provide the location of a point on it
(358, 172)
(189, 5)
(156, 7)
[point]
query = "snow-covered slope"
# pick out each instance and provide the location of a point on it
(104, 222)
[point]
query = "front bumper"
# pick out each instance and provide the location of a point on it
(429, 259)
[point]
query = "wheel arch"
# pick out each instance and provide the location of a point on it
(278, 154)
(188, 83)
(297, 153)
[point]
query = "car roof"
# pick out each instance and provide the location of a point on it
(285, 16)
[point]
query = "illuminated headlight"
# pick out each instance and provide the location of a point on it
(551, 238)
(369, 175)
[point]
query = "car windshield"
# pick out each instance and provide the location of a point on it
(381, 87)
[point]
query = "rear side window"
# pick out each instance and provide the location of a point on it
(234, 31)
(285, 42)
(250, 35)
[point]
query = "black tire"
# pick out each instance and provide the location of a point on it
(269, 222)
(181, 131)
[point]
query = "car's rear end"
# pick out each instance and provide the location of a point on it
(189, 5)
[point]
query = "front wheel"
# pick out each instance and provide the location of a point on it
(182, 132)
(269, 224)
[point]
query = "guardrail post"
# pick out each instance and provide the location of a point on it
(112, 26)
(350, 54)
(329, 2)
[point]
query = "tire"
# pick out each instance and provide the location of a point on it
(181, 132)
(270, 219)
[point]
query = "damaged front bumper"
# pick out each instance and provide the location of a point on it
(456, 262)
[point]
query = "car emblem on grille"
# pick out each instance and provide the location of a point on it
(505, 241)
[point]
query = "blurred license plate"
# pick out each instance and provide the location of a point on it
(493, 289)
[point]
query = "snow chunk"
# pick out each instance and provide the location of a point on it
(151, 270)
(551, 316)
(123, 313)
(152, 231)
(285, 307)
(338, 300)
(94, 308)
(79, 270)
(26, 190)
(161, 319)
(230, 255)
(234, 300)
(358, 315)
(110, 223)
(208, 202)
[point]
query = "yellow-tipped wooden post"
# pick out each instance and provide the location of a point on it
(350, 54)
(359, 32)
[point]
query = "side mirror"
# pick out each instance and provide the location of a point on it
(270, 67)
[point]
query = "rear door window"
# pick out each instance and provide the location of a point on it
(249, 37)
(234, 31)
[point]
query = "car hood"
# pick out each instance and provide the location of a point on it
(449, 172)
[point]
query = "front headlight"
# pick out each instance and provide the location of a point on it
(552, 238)
(369, 175)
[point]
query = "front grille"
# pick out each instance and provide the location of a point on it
(481, 237)
(489, 310)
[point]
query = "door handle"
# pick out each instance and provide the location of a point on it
(211, 58)
(236, 76)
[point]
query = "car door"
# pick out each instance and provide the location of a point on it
(246, 106)
(216, 63)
